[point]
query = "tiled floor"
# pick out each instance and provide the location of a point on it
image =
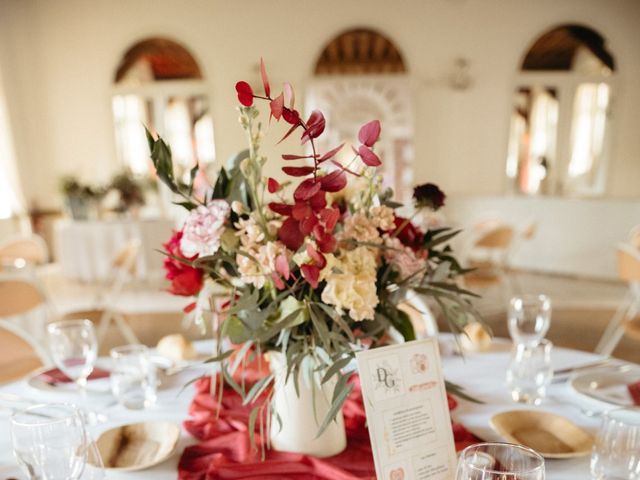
(579, 305)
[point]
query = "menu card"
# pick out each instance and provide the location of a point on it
(407, 411)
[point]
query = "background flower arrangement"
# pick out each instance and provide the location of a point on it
(309, 268)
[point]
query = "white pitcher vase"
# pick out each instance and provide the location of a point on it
(301, 415)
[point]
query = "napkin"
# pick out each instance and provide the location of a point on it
(634, 391)
(55, 375)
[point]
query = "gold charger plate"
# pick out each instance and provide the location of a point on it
(552, 436)
(138, 446)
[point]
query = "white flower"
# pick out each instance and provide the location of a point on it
(359, 227)
(351, 283)
(382, 217)
(257, 270)
(203, 229)
(250, 232)
(238, 207)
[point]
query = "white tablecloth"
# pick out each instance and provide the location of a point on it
(85, 249)
(481, 374)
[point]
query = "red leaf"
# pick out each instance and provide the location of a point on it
(277, 281)
(289, 94)
(319, 231)
(277, 105)
(298, 171)
(291, 116)
(290, 234)
(287, 156)
(369, 133)
(308, 224)
(342, 167)
(245, 93)
(289, 132)
(334, 182)
(318, 201)
(282, 266)
(330, 154)
(317, 257)
(330, 217)
(311, 273)
(265, 80)
(307, 189)
(272, 185)
(327, 243)
(368, 157)
(281, 208)
(315, 126)
(300, 211)
(189, 308)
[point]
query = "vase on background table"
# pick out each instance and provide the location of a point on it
(301, 414)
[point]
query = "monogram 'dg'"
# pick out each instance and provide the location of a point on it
(387, 378)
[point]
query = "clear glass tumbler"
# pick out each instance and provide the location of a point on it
(616, 452)
(133, 377)
(529, 318)
(530, 372)
(50, 442)
(499, 461)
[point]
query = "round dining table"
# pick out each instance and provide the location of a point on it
(481, 374)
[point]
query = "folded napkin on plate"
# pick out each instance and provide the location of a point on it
(55, 375)
(634, 391)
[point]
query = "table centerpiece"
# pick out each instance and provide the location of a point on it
(307, 271)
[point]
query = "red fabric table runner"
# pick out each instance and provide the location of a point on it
(225, 452)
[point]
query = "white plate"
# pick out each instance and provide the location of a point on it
(606, 385)
(99, 386)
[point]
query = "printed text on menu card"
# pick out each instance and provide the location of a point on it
(407, 411)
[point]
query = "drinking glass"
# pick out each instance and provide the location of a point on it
(133, 377)
(616, 452)
(529, 318)
(74, 349)
(50, 442)
(530, 372)
(499, 461)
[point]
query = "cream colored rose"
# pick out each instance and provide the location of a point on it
(382, 217)
(361, 228)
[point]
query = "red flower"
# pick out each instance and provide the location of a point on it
(185, 279)
(409, 234)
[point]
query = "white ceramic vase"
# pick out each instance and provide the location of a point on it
(301, 416)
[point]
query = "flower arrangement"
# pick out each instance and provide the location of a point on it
(308, 267)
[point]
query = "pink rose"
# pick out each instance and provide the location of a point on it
(203, 229)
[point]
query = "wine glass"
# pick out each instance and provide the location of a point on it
(133, 377)
(50, 442)
(616, 452)
(529, 318)
(499, 461)
(74, 349)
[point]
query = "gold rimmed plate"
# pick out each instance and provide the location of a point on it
(551, 435)
(138, 446)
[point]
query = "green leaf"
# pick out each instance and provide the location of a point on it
(275, 329)
(338, 400)
(192, 176)
(337, 318)
(438, 240)
(219, 358)
(252, 426)
(257, 389)
(221, 187)
(186, 204)
(335, 368)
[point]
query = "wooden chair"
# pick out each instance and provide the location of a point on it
(628, 259)
(105, 308)
(20, 352)
(24, 251)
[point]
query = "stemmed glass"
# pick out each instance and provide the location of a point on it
(499, 461)
(50, 443)
(529, 318)
(74, 349)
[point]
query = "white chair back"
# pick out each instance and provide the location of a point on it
(21, 251)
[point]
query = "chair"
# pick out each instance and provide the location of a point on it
(19, 252)
(20, 352)
(628, 259)
(105, 309)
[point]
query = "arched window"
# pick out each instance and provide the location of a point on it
(158, 83)
(360, 75)
(560, 122)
